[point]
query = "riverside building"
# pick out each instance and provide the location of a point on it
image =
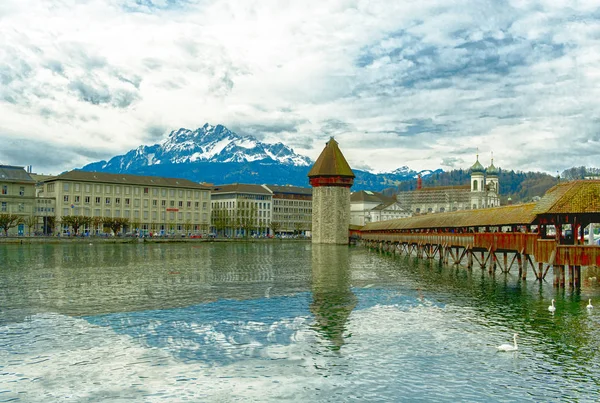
(241, 210)
(18, 198)
(483, 192)
(367, 207)
(292, 209)
(149, 203)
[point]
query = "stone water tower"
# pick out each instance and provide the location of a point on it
(331, 179)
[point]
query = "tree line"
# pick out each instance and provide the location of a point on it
(519, 186)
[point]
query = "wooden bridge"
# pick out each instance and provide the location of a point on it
(543, 235)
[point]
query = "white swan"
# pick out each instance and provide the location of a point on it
(552, 308)
(509, 347)
(589, 305)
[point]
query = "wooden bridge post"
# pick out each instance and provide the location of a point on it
(506, 268)
(540, 274)
(577, 276)
(469, 259)
(482, 260)
(492, 258)
(571, 275)
(523, 274)
(562, 275)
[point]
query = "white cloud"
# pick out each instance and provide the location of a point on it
(403, 83)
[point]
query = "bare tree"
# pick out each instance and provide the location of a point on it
(8, 221)
(246, 217)
(275, 226)
(76, 222)
(31, 221)
(116, 223)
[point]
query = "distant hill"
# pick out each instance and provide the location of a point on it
(215, 154)
(519, 186)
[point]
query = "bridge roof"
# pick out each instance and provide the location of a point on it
(519, 214)
(574, 197)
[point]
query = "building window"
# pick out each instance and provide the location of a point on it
(145, 191)
(181, 204)
(86, 200)
(163, 203)
(66, 198)
(107, 201)
(154, 203)
(22, 191)
(107, 189)
(87, 188)
(145, 203)
(66, 187)
(189, 204)
(98, 188)
(76, 199)
(154, 192)
(3, 207)
(77, 187)
(172, 203)
(118, 190)
(4, 189)
(97, 200)
(127, 202)
(117, 200)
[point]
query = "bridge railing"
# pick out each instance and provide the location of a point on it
(578, 255)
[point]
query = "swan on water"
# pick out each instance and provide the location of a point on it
(509, 347)
(552, 308)
(589, 305)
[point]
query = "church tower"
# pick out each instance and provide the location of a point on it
(331, 179)
(477, 185)
(492, 185)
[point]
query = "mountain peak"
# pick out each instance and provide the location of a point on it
(207, 144)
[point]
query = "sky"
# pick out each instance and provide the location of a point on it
(425, 84)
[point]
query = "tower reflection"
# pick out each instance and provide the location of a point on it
(333, 300)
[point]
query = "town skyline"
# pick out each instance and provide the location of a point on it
(423, 85)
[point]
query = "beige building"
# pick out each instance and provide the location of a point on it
(151, 204)
(17, 195)
(241, 210)
(292, 209)
(367, 207)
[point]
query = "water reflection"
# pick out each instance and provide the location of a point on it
(333, 300)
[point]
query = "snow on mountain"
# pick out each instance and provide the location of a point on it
(206, 144)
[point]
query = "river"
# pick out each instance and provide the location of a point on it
(271, 321)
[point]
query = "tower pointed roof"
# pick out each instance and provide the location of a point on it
(492, 170)
(477, 167)
(331, 162)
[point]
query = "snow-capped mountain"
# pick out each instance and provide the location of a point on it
(217, 155)
(206, 144)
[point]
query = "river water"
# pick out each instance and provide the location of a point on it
(282, 322)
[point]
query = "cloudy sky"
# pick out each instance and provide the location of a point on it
(423, 83)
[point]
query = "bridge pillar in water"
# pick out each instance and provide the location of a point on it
(331, 179)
